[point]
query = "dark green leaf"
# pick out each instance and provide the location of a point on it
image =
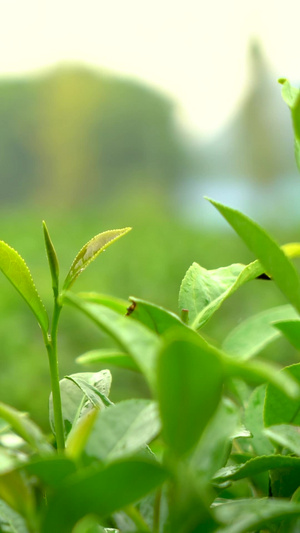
(17, 272)
(190, 379)
(279, 409)
(291, 330)
(101, 491)
(255, 333)
(256, 466)
(90, 251)
(52, 259)
(51, 470)
(285, 435)
(134, 338)
(271, 256)
(123, 429)
(156, 318)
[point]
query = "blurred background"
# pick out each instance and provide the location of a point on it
(127, 114)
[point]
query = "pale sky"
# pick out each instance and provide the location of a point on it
(194, 51)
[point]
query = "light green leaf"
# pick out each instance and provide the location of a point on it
(25, 428)
(80, 433)
(280, 409)
(90, 251)
(155, 317)
(291, 330)
(74, 401)
(189, 382)
(271, 256)
(291, 96)
(101, 491)
(254, 421)
(51, 470)
(286, 436)
(52, 260)
(17, 272)
(10, 520)
(255, 333)
(123, 429)
(108, 357)
(134, 338)
(254, 514)
(93, 393)
(203, 291)
(117, 304)
(256, 466)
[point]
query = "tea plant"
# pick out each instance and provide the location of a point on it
(216, 449)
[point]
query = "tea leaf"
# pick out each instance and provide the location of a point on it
(254, 421)
(51, 470)
(72, 396)
(285, 435)
(272, 257)
(26, 429)
(80, 433)
(117, 304)
(189, 383)
(108, 357)
(90, 251)
(213, 449)
(255, 333)
(291, 330)
(134, 338)
(254, 514)
(155, 317)
(17, 272)
(279, 409)
(203, 291)
(291, 96)
(123, 429)
(256, 466)
(101, 491)
(52, 259)
(94, 395)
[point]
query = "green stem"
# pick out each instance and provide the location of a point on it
(51, 346)
(137, 518)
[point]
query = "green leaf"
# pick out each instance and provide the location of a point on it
(213, 449)
(189, 382)
(90, 251)
(94, 393)
(116, 304)
(52, 260)
(271, 256)
(291, 96)
(255, 333)
(80, 433)
(256, 466)
(73, 399)
(101, 491)
(203, 291)
(153, 316)
(280, 409)
(89, 524)
(123, 429)
(17, 272)
(254, 514)
(134, 338)
(107, 357)
(285, 435)
(8, 461)
(291, 330)
(26, 429)
(254, 421)
(51, 470)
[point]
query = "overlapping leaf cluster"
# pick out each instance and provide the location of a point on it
(215, 445)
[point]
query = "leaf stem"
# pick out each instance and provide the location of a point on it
(137, 518)
(51, 346)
